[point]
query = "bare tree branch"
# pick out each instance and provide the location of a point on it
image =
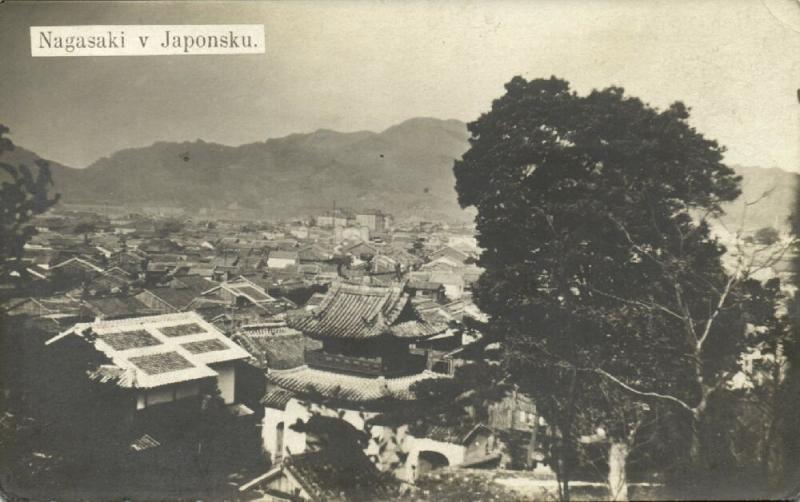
(656, 395)
(716, 312)
(649, 306)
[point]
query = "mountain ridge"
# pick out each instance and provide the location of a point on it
(406, 169)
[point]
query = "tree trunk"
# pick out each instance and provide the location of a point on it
(617, 478)
(695, 445)
(566, 439)
(693, 474)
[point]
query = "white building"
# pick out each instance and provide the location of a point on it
(162, 358)
(373, 220)
(282, 259)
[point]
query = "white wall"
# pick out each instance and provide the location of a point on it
(453, 291)
(280, 262)
(453, 452)
(226, 380)
(166, 394)
(272, 418)
(295, 442)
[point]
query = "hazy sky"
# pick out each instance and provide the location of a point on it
(367, 65)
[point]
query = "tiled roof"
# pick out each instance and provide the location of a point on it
(465, 307)
(340, 473)
(415, 329)
(118, 306)
(444, 433)
(362, 246)
(277, 399)
(450, 253)
(272, 328)
(177, 298)
(446, 278)
(278, 348)
(315, 300)
(345, 386)
(53, 307)
(257, 294)
(331, 473)
(419, 283)
(195, 283)
(309, 268)
(358, 311)
(315, 252)
(156, 350)
(287, 255)
(80, 262)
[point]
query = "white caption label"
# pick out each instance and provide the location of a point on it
(147, 40)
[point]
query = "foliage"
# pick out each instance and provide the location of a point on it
(600, 264)
(54, 437)
(460, 402)
(22, 197)
(64, 435)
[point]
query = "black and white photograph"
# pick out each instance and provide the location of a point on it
(378, 250)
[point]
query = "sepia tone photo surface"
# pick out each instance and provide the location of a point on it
(416, 251)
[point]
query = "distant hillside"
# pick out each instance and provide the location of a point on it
(63, 176)
(406, 170)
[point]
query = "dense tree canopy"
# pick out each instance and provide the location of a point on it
(600, 264)
(585, 213)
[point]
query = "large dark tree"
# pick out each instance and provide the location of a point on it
(22, 196)
(600, 265)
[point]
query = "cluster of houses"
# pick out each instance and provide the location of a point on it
(333, 327)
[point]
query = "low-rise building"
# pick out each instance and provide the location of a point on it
(374, 220)
(282, 259)
(163, 358)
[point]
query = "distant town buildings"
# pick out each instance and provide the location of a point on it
(375, 221)
(329, 319)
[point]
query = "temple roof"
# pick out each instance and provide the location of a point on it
(278, 347)
(347, 387)
(329, 474)
(277, 398)
(341, 473)
(354, 311)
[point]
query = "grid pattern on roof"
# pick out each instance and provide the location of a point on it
(165, 361)
(182, 330)
(162, 362)
(203, 346)
(125, 340)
